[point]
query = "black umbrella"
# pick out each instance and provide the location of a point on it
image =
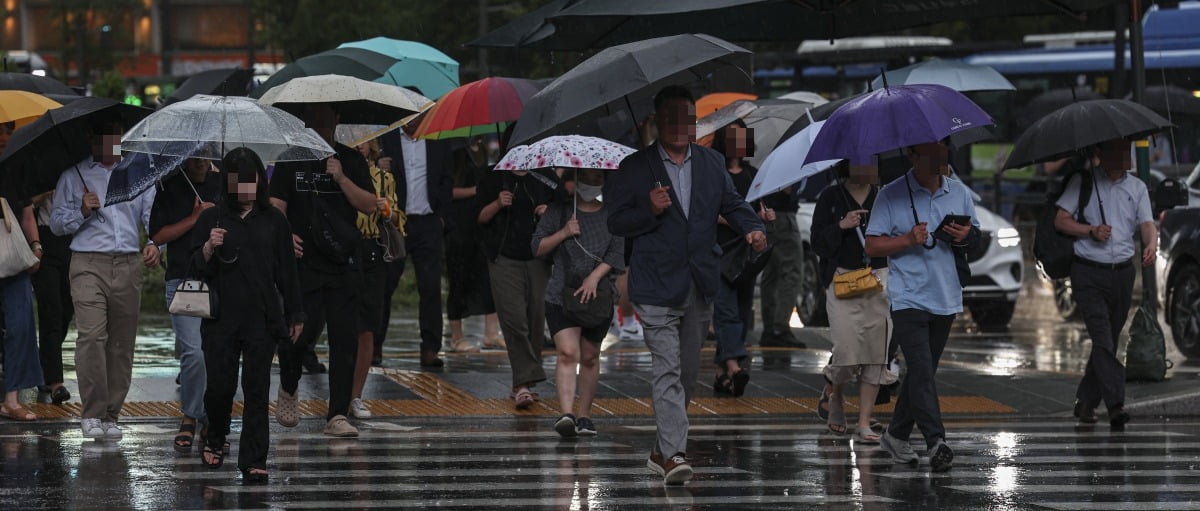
(1080, 125)
(1045, 103)
(619, 76)
(356, 62)
(214, 82)
(34, 83)
(38, 152)
(529, 27)
(1170, 100)
(588, 24)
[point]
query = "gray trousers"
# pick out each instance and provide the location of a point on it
(781, 277)
(673, 336)
(519, 290)
(1104, 297)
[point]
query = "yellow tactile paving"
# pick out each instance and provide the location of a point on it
(440, 398)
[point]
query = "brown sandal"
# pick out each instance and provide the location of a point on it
(20, 413)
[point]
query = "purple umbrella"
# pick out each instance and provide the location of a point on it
(893, 118)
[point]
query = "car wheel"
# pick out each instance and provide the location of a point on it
(810, 304)
(992, 315)
(1184, 292)
(1064, 301)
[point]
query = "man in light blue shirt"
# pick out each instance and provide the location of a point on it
(1102, 274)
(923, 287)
(106, 280)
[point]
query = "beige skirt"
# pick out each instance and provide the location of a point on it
(860, 328)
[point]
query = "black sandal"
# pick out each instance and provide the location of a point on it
(204, 437)
(250, 476)
(217, 454)
(739, 381)
(183, 442)
(723, 385)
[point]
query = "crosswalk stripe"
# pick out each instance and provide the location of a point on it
(465, 458)
(434, 474)
(1085, 488)
(884, 460)
(966, 447)
(1106, 506)
(402, 444)
(1035, 475)
(954, 436)
(602, 500)
(646, 479)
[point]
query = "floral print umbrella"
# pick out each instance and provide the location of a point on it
(568, 151)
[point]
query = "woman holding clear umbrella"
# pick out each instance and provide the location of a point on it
(244, 251)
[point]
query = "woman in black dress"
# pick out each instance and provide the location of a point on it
(244, 252)
(470, 292)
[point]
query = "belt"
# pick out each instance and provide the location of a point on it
(1105, 266)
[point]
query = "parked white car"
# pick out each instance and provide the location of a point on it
(997, 267)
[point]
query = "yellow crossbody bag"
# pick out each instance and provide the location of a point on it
(857, 282)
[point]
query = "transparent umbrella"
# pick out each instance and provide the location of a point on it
(208, 127)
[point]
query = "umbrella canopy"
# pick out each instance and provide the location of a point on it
(37, 153)
(1080, 125)
(484, 106)
(710, 103)
(523, 30)
(617, 76)
(353, 135)
(806, 96)
(418, 64)
(817, 113)
(34, 83)
(1171, 100)
(588, 24)
(233, 81)
(356, 101)
(208, 127)
(893, 118)
(769, 121)
(1049, 101)
(712, 122)
(568, 151)
(21, 107)
(355, 62)
(779, 170)
(955, 74)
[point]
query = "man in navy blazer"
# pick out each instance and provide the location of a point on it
(665, 200)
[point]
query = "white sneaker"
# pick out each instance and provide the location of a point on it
(359, 410)
(111, 430)
(91, 428)
(632, 330)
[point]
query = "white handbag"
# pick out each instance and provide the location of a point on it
(15, 254)
(193, 298)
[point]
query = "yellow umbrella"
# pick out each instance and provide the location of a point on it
(21, 107)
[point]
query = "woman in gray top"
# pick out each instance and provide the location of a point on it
(586, 257)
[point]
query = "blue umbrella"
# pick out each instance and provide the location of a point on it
(137, 172)
(420, 65)
(893, 118)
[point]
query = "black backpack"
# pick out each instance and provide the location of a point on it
(1055, 251)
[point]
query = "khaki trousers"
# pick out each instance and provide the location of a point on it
(107, 291)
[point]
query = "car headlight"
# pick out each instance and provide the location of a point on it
(1008, 237)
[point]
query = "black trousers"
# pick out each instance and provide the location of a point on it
(52, 288)
(221, 356)
(392, 273)
(922, 337)
(329, 301)
(1104, 297)
(424, 244)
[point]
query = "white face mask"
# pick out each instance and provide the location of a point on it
(588, 192)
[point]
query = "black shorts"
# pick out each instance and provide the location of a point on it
(558, 321)
(374, 285)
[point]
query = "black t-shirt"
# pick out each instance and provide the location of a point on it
(741, 183)
(173, 204)
(510, 232)
(293, 184)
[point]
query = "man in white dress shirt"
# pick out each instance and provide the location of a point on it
(106, 279)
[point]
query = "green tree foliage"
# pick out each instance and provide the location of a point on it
(111, 85)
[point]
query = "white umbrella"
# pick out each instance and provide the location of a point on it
(956, 74)
(710, 123)
(353, 135)
(806, 96)
(769, 121)
(783, 167)
(356, 101)
(210, 126)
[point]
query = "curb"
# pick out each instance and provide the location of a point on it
(1185, 403)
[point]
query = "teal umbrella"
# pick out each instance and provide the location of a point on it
(419, 65)
(359, 63)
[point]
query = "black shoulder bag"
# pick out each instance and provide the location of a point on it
(333, 237)
(961, 266)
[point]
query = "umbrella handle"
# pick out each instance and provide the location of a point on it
(86, 190)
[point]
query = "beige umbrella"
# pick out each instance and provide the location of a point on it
(356, 101)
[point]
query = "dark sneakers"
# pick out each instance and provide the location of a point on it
(740, 379)
(1117, 417)
(675, 470)
(565, 426)
(1085, 414)
(585, 427)
(940, 456)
